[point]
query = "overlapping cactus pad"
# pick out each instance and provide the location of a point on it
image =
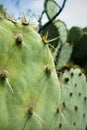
(73, 105)
(29, 88)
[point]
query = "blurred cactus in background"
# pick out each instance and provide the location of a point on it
(2, 11)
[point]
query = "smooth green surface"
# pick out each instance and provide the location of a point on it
(27, 84)
(73, 106)
(51, 8)
(64, 55)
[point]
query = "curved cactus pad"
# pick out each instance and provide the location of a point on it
(64, 55)
(73, 106)
(51, 8)
(28, 82)
(56, 30)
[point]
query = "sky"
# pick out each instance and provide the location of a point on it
(73, 14)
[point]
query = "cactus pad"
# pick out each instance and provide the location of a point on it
(28, 81)
(73, 106)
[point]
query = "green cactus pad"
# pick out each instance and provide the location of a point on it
(51, 8)
(73, 106)
(79, 54)
(63, 55)
(75, 34)
(2, 11)
(29, 88)
(56, 30)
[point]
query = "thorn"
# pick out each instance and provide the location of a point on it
(65, 120)
(25, 45)
(9, 85)
(44, 39)
(54, 39)
(10, 18)
(30, 106)
(64, 85)
(24, 20)
(38, 117)
(19, 40)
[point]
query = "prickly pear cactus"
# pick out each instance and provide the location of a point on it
(29, 88)
(63, 55)
(78, 38)
(2, 11)
(51, 8)
(74, 35)
(73, 105)
(57, 30)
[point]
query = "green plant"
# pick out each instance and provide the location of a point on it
(38, 89)
(2, 11)
(73, 104)
(75, 34)
(29, 88)
(78, 38)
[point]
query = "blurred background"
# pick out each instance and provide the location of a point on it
(73, 14)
